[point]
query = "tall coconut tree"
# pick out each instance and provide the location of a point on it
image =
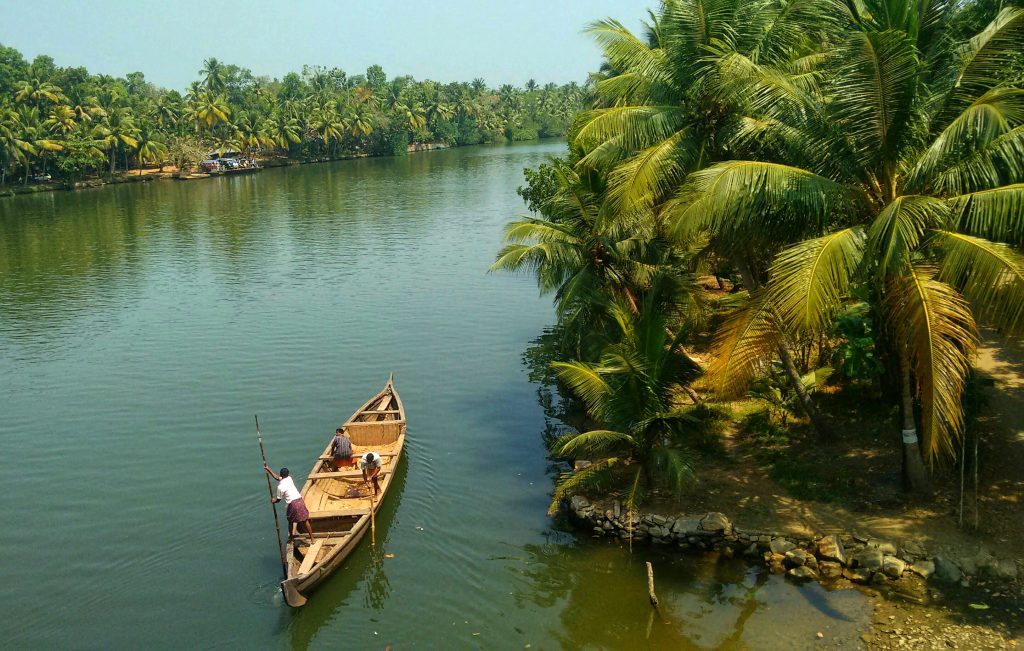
(14, 148)
(214, 75)
(35, 91)
(900, 172)
(117, 131)
(61, 121)
(150, 148)
(33, 130)
(664, 112)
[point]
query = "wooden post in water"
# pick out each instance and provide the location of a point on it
(270, 491)
(650, 586)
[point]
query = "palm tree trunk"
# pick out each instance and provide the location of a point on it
(113, 159)
(915, 475)
(822, 428)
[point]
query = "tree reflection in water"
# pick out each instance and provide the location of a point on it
(600, 592)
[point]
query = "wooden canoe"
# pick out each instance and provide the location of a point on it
(339, 502)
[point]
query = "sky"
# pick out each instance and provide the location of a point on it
(444, 40)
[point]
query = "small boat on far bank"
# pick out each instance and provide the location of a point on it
(340, 504)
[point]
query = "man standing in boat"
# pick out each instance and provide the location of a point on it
(370, 465)
(297, 511)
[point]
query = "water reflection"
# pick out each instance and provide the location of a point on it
(363, 573)
(707, 602)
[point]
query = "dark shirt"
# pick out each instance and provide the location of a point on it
(342, 447)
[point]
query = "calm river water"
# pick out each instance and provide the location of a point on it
(142, 326)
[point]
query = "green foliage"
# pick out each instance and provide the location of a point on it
(542, 184)
(855, 355)
(320, 113)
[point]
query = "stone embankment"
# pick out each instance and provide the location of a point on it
(864, 560)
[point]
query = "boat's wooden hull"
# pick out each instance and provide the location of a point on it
(339, 502)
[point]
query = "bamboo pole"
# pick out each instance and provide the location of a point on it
(270, 490)
(373, 518)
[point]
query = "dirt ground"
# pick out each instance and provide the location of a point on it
(804, 487)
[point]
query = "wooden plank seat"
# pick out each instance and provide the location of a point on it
(344, 513)
(328, 457)
(382, 411)
(310, 559)
(342, 474)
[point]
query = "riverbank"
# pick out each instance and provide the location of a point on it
(944, 573)
(170, 172)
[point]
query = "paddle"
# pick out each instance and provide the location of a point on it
(270, 490)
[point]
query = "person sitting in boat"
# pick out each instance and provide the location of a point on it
(370, 465)
(297, 511)
(341, 450)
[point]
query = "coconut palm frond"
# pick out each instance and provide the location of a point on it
(810, 280)
(934, 322)
(644, 179)
(594, 442)
(994, 214)
(586, 382)
(999, 162)
(605, 155)
(539, 230)
(985, 59)
(989, 274)
(590, 477)
(636, 127)
(874, 89)
(898, 229)
(988, 117)
(734, 198)
(743, 347)
(675, 465)
(625, 52)
(631, 85)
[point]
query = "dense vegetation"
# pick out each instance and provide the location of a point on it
(68, 122)
(856, 168)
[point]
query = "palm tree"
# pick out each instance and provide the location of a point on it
(360, 122)
(414, 116)
(87, 109)
(34, 132)
(150, 149)
(166, 113)
(283, 129)
(899, 172)
(14, 148)
(61, 121)
(663, 112)
(213, 75)
(36, 91)
(478, 85)
(209, 110)
(117, 130)
(327, 125)
(585, 258)
(531, 85)
(628, 393)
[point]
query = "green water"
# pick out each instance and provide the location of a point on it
(142, 326)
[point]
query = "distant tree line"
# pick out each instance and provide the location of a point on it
(70, 123)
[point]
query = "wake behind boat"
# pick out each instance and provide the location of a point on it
(340, 503)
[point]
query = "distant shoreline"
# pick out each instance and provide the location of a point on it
(171, 173)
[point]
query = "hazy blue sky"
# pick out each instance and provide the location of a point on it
(442, 39)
